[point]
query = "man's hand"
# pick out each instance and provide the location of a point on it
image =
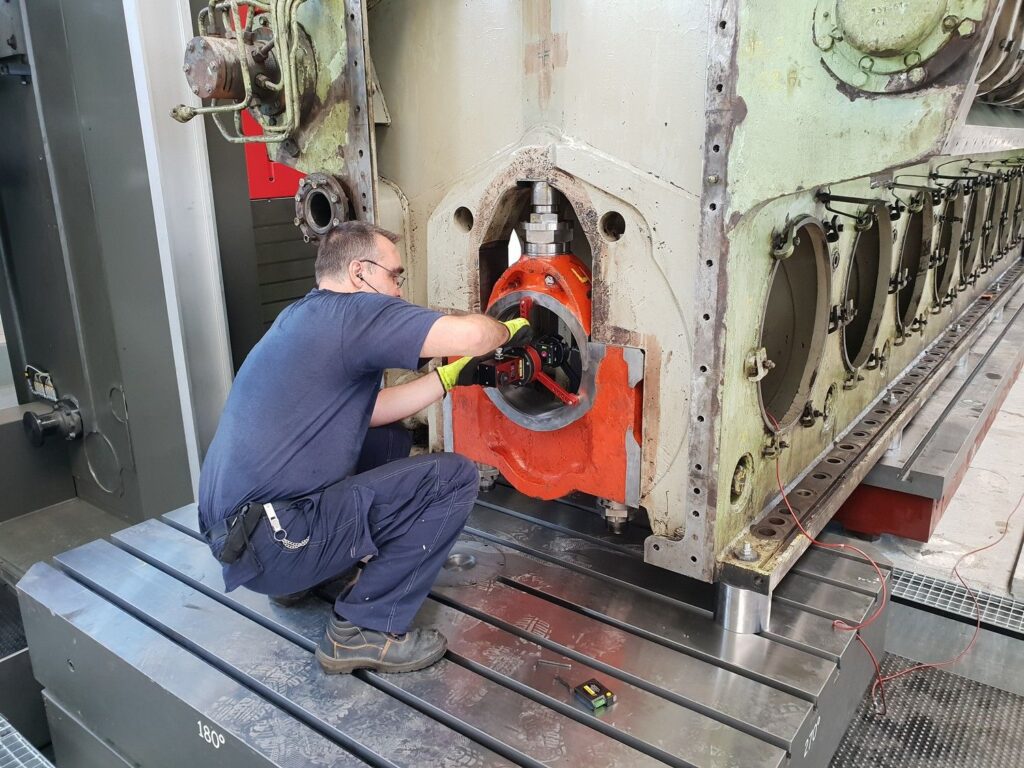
(458, 373)
(519, 332)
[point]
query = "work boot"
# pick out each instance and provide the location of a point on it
(346, 647)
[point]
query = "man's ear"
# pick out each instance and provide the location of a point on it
(355, 272)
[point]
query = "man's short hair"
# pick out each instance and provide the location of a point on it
(348, 242)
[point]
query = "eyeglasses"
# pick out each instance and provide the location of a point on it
(396, 275)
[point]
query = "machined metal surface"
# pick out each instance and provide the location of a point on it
(538, 595)
(74, 743)
(938, 442)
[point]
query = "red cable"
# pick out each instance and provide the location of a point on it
(977, 608)
(839, 623)
(879, 684)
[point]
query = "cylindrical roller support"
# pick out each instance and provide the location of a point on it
(742, 610)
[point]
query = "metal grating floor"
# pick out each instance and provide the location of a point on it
(996, 610)
(935, 719)
(12, 635)
(15, 752)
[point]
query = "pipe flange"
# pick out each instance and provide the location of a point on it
(321, 204)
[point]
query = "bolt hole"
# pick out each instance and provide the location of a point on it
(720, 87)
(697, 491)
(834, 460)
(360, 153)
(698, 467)
(693, 558)
(613, 226)
(765, 531)
(803, 492)
(821, 476)
(721, 25)
(707, 316)
(710, 263)
(703, 369)
(870, 423)
(696, 513)
(860, 434)
(464, 218)
(656, 547)
(848, 446)
(776, 521)
(715, 148)
(71, 665)
(713, 206)
(700, 419)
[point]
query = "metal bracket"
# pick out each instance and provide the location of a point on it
(758, 365)
(841, 315)
(773, 445)
(899, 281)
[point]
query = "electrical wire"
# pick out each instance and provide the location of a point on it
(878, 686)
(879, 682)
(841, 624)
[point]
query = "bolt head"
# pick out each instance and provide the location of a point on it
(195, 89)
(967, 28)
(549, 280)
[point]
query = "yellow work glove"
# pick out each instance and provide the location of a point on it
(450, 374)
(519, 332)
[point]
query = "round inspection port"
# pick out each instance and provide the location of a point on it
(1006, 215)
(794, 324)
(914, 252)
(950, 234)
(867, 287)
(1016, 201)
(974, 230)
(990, 248)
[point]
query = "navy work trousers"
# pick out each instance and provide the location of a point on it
(403, 513)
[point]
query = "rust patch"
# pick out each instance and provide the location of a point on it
(547, 52)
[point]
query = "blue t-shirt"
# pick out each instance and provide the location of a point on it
(299, 408)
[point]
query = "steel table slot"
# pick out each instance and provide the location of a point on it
(764, 710)
(519, 724)
(110, 648)
(822, 598)
(288, 675)
(694, 738)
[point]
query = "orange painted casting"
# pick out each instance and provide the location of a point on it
(588, 455)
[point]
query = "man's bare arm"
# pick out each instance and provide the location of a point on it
(458, 335)
(395, 403)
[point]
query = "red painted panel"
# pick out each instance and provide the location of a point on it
(267, 179)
